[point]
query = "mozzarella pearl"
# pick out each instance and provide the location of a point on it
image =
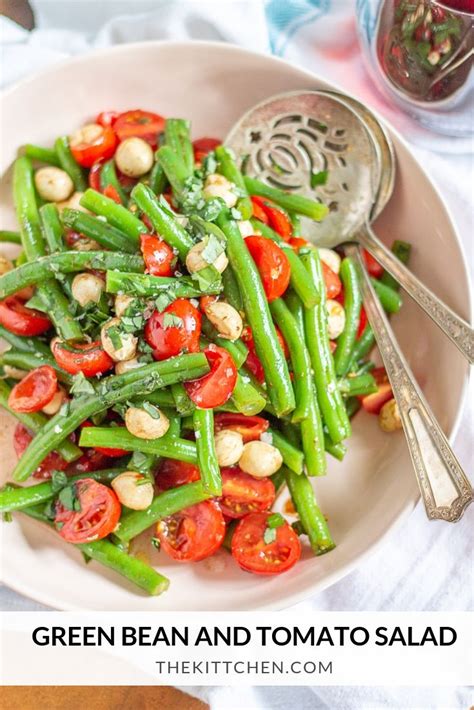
(218, 186)
(87, 288)
(260, 459)
(141, 424)
(134, 157)
(229, 447)
(331, 258)
(226, 319)
(128, 342)
(196, 262)
(53, 184)
(336, 318)
(389, 417)
(132, 491)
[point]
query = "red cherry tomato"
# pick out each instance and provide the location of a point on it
(142, 124)
(103, 148)
(243, 494)
(203, 146)
(91, 460)
(298, 243)
(34, 391)
(98, 516)
(175, 329)
(194, 533)
(332, 281)
(111, 192)
(277, 219)
(21, 320)
(172, 474)
(250, 428)
(215, 388)
(253, 554)
(362, 321)
(372, 265)
(373, 403)
(252, 362)
(94, 176)
(158, 256)
(257, 210)
(52, 462)
(88, 358)
(110, 452)
(107, 118)
(206, 301)
(272, 264)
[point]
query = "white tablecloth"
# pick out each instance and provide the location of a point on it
(430, 566)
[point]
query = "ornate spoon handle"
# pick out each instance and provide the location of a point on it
(444, 487)
(460, 332)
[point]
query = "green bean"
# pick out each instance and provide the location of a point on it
(16, 498)
(278, 479)
(362, 346)
(174, 430)
(119, 438)
(52, 228)
(231, 289)
(353, 405)
(296, 224)
(103, 233)
(116, 215)
(176, 171)
(358, 385)
(182, 402)
(303, 286)
(111, 390)
(163, 221)
(312, 520)
(246, 398)
(35, 422)
(292, 457)
(267, 345)
(157, 179)
(236, 348)
(389, 298)
(29, 361)
(203, 423)
(49, 291)
(292, 203)
(68, 163)
(402, 251)
(163, 505)
(43, 155)
(316, 331)
(65, 263)
(148, 285)
(108, 176)
(25, 343)
(178, 139)
(161, 398)
(364, 367)
(338, 451)
(229, 169)
(352, 305)
(12, 237)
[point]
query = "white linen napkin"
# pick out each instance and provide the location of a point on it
(424, 566)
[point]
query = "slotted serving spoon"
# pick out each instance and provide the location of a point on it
(293, 136)
(369, 163)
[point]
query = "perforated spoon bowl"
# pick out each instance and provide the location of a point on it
(289, 139)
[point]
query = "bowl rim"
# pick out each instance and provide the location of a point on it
(408, 508)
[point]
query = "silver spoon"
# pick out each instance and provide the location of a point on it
(444, 487)
(292, 136)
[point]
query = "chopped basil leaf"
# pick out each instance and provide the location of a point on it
(68, 498)
(320, 178)
(114, 334)
(156, 542)
(150, 409)
(275, 520)
(172, 321)
(58, 480)
(212, 250)
(208, 279)
(163, 300)
(81, 385)
(7, 517)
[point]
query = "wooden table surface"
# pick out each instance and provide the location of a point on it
(101, 698)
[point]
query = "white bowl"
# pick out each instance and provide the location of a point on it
(213, 84)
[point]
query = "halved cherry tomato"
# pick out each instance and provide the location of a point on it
(88, 358)
(172, 474)
(272, 264)
(254, 366)
(203, 146)
(52, 462)
(158, 256)
(21, 320)
(252, 362)
(298, 243)
(97, 517)
(35, 390)
(253, 554)
(142, 124)
(107, 118)
(362, 321)
(332, 281)
(176, 329)
(250, 428)
(94, 176)
(243, 494)
(103, 148)
(112, 192)
(257, 211)
(373, 403)
(215, 388)
(91, 460)
(277, 219)
(110, 452)
(372, 265)
(194, 533)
